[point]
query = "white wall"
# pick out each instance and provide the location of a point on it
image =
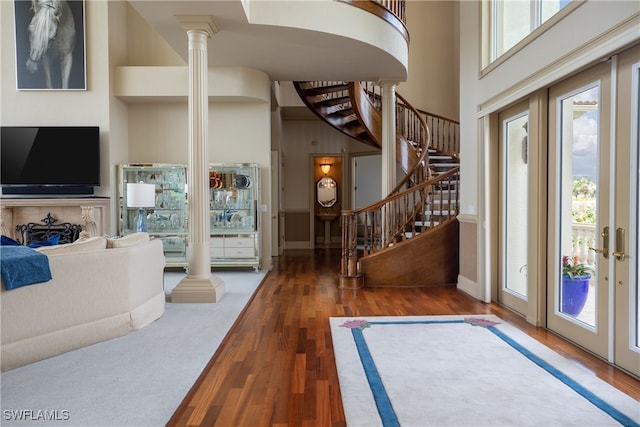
(432, 83)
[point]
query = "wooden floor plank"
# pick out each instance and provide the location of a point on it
(276, 366)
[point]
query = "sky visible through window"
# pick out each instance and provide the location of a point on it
(585, 136)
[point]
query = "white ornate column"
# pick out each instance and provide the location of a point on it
(388, 157)
(388, 137)
(200, 285)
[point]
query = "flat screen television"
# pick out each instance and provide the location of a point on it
(49, 159)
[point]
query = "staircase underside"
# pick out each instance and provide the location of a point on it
(429, 259)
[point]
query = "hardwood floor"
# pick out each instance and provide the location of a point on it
(276, 367)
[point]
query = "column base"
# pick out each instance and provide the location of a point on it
(193, 290)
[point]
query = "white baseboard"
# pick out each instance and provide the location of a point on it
(468, 286)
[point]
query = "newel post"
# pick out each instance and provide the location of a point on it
(350, 277)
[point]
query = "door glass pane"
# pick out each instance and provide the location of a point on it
(635, 290)
(516, 204)
(577, 291)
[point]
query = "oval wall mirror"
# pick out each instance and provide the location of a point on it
(327, 192)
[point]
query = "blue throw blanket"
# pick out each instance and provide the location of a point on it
(21, 265)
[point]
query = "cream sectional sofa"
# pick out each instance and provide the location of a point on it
(100, 289)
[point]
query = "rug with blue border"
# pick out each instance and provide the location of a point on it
(473, 370)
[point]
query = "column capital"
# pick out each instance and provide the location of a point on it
(388, 82)
(198, 22)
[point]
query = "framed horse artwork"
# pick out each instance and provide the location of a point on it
(50, 45)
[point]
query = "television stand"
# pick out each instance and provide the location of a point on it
(46, 190)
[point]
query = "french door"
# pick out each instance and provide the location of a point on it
(592, 267)
(626, 247)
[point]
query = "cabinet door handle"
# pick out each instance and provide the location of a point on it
(619, 253)
(605, 244)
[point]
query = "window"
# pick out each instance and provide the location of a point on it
(513, 20)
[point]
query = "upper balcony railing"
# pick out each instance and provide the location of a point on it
(397, 7)
(392, 11)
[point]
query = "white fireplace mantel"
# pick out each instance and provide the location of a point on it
(92, 213)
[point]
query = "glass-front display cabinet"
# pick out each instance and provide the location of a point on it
(234, 191)
(166, 218)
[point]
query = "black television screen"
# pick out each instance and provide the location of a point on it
(47, 157)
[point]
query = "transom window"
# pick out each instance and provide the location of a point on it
(513, 20)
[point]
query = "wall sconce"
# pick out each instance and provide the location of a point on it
(141, 195)
(325, 168)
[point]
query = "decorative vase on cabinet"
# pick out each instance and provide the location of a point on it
(234, 191)
(167, 219)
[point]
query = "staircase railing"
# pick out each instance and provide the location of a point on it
(412, 132)
(445, 133)
(417, 209)
(410, 209)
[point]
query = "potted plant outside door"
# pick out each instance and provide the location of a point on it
(575, 285)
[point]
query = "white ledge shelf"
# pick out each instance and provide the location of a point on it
(139, 84)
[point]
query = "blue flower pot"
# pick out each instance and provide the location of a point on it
(574, 294)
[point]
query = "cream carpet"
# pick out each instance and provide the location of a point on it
(136, 380)
(474, 370)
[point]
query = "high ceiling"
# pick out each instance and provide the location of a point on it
(272, 45)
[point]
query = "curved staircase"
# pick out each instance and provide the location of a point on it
(409, 238)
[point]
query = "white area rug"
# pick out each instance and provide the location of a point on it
(136, 380)
(448, 371)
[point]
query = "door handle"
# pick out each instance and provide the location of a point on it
(605, 244)
(619, 252)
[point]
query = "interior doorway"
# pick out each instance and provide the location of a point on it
(367, 180)
(327, 195)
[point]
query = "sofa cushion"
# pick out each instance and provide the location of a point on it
(80, 245)
(8, 241)
(51, 241)
(128, 240)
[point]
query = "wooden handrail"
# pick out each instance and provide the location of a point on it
(419, 208)
(413, 128)
(366, 109)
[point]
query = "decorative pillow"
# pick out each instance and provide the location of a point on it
(90, 244)
(8, 241)
(128, 240)
(51, 241)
